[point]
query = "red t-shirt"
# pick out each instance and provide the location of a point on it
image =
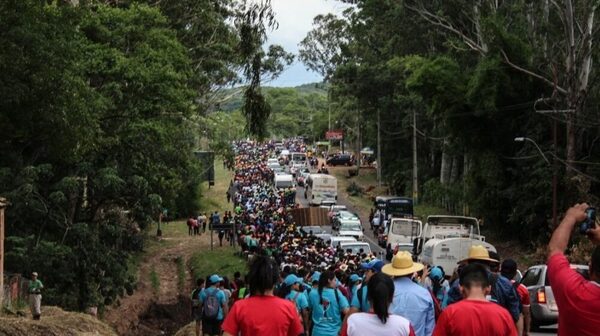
(475, 318)
(263, 315)
(578, 299)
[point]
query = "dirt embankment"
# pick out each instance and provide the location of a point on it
(161, 304)
(54, 322)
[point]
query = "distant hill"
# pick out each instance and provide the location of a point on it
(231, 99)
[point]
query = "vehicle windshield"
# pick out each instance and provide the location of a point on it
(400, 207)
(405, 228)
(357, 248)
(351, 227)
(314, 229)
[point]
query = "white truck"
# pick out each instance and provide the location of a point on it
(446, 241)
(283, 181)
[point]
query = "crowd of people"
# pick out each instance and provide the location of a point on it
(297, 284)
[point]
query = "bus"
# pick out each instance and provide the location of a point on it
(320, 189)
(395, 206)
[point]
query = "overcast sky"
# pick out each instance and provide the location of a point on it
(295, 19)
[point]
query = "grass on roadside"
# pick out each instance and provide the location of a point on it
(180, 274)
(221, 261)
(213, 197)
(155, 282)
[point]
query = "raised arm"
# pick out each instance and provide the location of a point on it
(560, 237)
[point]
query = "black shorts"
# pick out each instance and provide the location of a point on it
(211, 327)
(197, 314)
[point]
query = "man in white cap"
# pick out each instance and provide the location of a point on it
(502, 293)
(35, 296)
(410, 300)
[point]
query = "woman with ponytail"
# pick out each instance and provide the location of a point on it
(263, 313)
(378, 321)
(328, 306)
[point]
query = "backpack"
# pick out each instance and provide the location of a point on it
(211, 304)
(195, 298)
(437, 307)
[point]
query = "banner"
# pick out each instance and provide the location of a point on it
(334, 135)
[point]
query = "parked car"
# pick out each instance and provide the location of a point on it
(336, 240)
(351, 227)
(544, 310)
(335, 209)
(342, 215)
(339, 160)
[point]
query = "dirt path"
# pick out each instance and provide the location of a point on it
(163, 312)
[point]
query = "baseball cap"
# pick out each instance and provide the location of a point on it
(292, 279)
(436, 273)
(375, 265)
(354, 278)
(215, 278)
(315, 277)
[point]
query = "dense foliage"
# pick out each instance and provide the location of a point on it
(474, 73)
(102, 107)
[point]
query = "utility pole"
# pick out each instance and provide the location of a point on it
(415, 184)
(554, 179)
(3, 205)
(378, 148)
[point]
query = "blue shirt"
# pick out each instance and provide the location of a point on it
(299, 299)
(326, 316)
(414, 303)
(365, 302)
(503, 293)
(220, 296)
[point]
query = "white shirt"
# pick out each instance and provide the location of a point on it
(361, 324)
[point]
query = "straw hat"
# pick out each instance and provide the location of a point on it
(478, 252)
(402, 264)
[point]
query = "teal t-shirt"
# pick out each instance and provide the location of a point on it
(365, 302)
(326, 316)
(220, 296)
(299, 299)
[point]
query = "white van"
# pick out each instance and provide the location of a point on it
(284, 181)
(320, 188)
(336, 240)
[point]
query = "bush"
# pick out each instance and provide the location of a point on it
(354, 189)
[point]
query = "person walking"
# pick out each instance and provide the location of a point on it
(196, 307)
(360, 303)
(35, 296)
(214, 306)
(378, 321)
(475, 315)
(263, 313)
(190, 225)
(410, 299)
(577, 298)
(509, 269)
(293, 283)
(328, 306)
(502, 293)
(204, 222)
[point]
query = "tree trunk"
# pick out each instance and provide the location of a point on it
(445, 166)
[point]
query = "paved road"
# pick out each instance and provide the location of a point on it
(369, 237)
(546, 331)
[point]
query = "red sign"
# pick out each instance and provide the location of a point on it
(334, 135)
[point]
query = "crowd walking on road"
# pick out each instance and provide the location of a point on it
(298, 284)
